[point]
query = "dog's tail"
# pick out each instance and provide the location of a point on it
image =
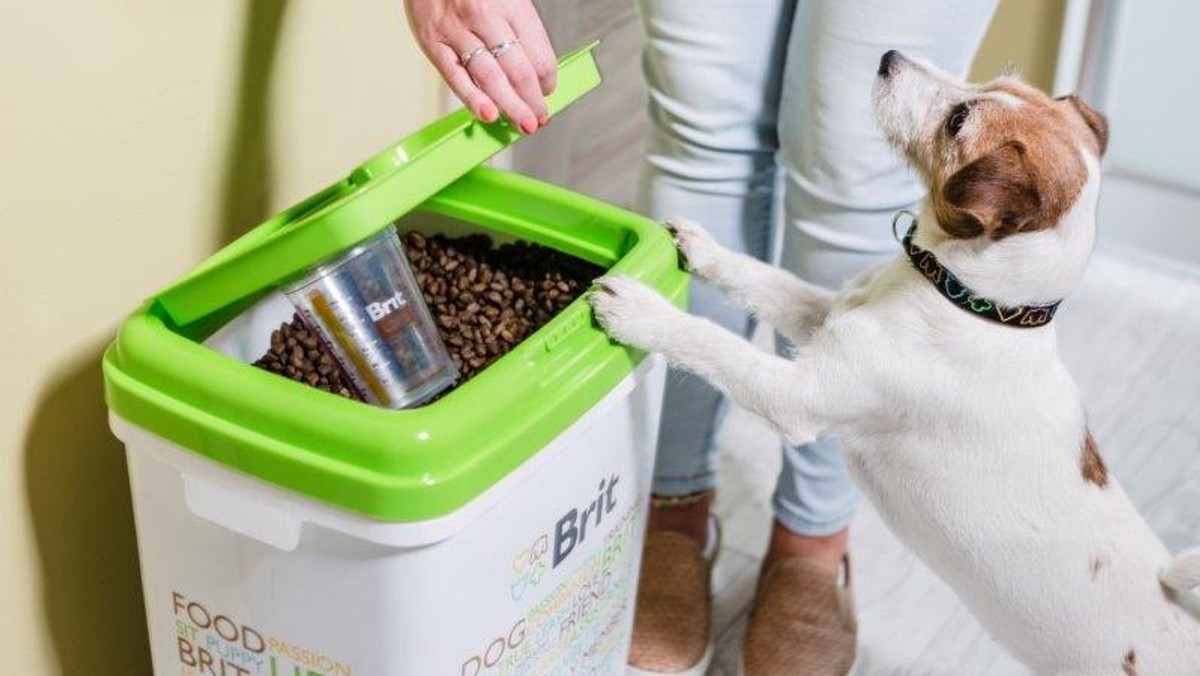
(1182, 574)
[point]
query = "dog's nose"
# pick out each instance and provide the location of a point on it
(887, 64)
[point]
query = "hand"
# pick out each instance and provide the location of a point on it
(515, 82)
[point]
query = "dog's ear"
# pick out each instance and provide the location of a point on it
(1094, 119)
(994, 195)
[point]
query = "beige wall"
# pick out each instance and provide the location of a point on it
(135, 137)
(1024, 37)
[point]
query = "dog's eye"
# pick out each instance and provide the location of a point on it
(958, 116)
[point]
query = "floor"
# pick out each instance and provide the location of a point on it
(1133, 346)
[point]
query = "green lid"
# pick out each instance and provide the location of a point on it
(407, 465)
(376, 193)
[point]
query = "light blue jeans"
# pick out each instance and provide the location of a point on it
(767, 103)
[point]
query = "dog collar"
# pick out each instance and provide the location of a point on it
(947, 284)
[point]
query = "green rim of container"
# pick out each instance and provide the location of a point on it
(422, 463)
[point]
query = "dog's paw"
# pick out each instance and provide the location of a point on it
(697, 249)
(630, 312)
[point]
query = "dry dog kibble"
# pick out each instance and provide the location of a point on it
(297, 353)
(484, 299)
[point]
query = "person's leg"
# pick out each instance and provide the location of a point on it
(713, 68)
(842, 184)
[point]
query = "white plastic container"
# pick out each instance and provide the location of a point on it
(535, 576)
(284, 530)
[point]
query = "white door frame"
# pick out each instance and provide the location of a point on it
(1140, 214)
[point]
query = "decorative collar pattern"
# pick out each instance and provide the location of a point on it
(947, 284)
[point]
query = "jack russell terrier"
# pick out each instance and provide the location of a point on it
(938, 372)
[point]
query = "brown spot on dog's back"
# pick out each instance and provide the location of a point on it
(1129, 666)
(1097, 566)
(1091, 464)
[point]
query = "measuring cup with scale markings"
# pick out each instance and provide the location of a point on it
(366, 305)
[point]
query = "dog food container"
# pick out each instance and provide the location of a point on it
(497, 530)
(367, 308)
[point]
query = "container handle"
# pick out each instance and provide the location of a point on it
(236, 510)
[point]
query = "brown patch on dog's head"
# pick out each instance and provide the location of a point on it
(1007, 160)
(1129, 665)
(995, 193)
(1094, 120)
(999, 158)
(1091, 464)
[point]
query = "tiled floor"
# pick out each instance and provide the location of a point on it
(1131, 337)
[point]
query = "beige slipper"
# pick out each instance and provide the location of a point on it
(672, 625)
(802, 623)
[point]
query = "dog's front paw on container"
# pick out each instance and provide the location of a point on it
(698, 251)
(626, 310)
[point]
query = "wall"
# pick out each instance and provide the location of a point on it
(1023, 36)
(136, 137)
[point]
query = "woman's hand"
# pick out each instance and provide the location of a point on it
(510, 66)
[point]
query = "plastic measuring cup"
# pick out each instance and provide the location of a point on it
(366, 305)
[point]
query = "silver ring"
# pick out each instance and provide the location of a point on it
(503, 47)
(896, 221)
(466, 56)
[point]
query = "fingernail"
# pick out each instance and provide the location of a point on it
(488, 112)
(529, 125)
(543, 120)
